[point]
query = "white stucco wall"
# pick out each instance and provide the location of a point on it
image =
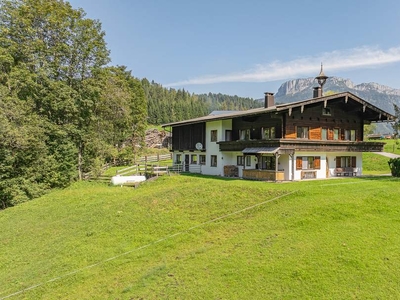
(332, 161)
(328, 160)
(212, 148)
(321, 173)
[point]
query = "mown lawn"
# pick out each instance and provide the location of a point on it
(193, 237)
(375, 164)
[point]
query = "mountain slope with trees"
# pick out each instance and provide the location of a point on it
(170, 105)
(63, 111)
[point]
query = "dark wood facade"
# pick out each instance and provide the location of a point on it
(255, 125)
(186, 137)
(317, 116)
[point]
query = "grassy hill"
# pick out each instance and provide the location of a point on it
(191, 237)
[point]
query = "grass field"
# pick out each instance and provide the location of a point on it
(392, 146)
(193, 237)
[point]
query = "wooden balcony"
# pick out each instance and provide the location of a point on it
(304, 145)
(264, 175)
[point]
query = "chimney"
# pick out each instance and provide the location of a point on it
(317, 92)
(269, 100)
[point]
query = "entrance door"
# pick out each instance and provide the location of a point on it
(187, 162)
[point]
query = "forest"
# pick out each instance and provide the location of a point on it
(64, 108)
(170, 105)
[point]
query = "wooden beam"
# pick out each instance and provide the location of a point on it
(364, 107)
(290, 112)
(302, 108)
(325, 102)
(346, 99)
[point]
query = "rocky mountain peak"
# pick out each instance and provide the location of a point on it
(372, 86)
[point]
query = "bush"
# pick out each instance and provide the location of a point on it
(394, 165)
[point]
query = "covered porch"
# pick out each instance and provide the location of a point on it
(268, 166)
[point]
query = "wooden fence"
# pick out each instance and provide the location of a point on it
(141, 166)
(154, 158)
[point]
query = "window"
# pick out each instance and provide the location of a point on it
(326, 111)
(268, 133)
(346, 161)
(240, 161)
(268, 162)
(228, 135)
(302, 132)
(214, 135)
(336, 134)
(202, 159)
(248, 161)
(308, 163)
(347, 135)
(178, 159)
(193, 159)
(352, 135)
(213, 160)
(324, 134)
(244, 134)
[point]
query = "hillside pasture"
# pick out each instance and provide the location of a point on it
(196, 237)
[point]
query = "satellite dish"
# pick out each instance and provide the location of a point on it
(199, 146)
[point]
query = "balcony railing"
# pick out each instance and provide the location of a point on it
(304, 145)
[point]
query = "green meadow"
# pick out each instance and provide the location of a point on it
(198, 237)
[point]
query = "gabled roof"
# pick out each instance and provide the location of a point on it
(384, 116)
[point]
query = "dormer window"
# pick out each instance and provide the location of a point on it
(326, 111)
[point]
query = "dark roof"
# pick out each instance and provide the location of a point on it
(222, 112)
(283, 108)
(264, 150)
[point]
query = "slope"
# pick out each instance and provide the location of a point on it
(192, 237)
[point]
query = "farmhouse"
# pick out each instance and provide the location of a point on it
(319, 137)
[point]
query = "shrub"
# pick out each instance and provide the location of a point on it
(394, 164)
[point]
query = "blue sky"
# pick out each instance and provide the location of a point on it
(246, 48)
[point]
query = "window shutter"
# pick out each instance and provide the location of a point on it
(353, 161)
(338, 162)
(299, 163)
(317, 162)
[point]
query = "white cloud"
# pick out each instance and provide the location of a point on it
(333, 61)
